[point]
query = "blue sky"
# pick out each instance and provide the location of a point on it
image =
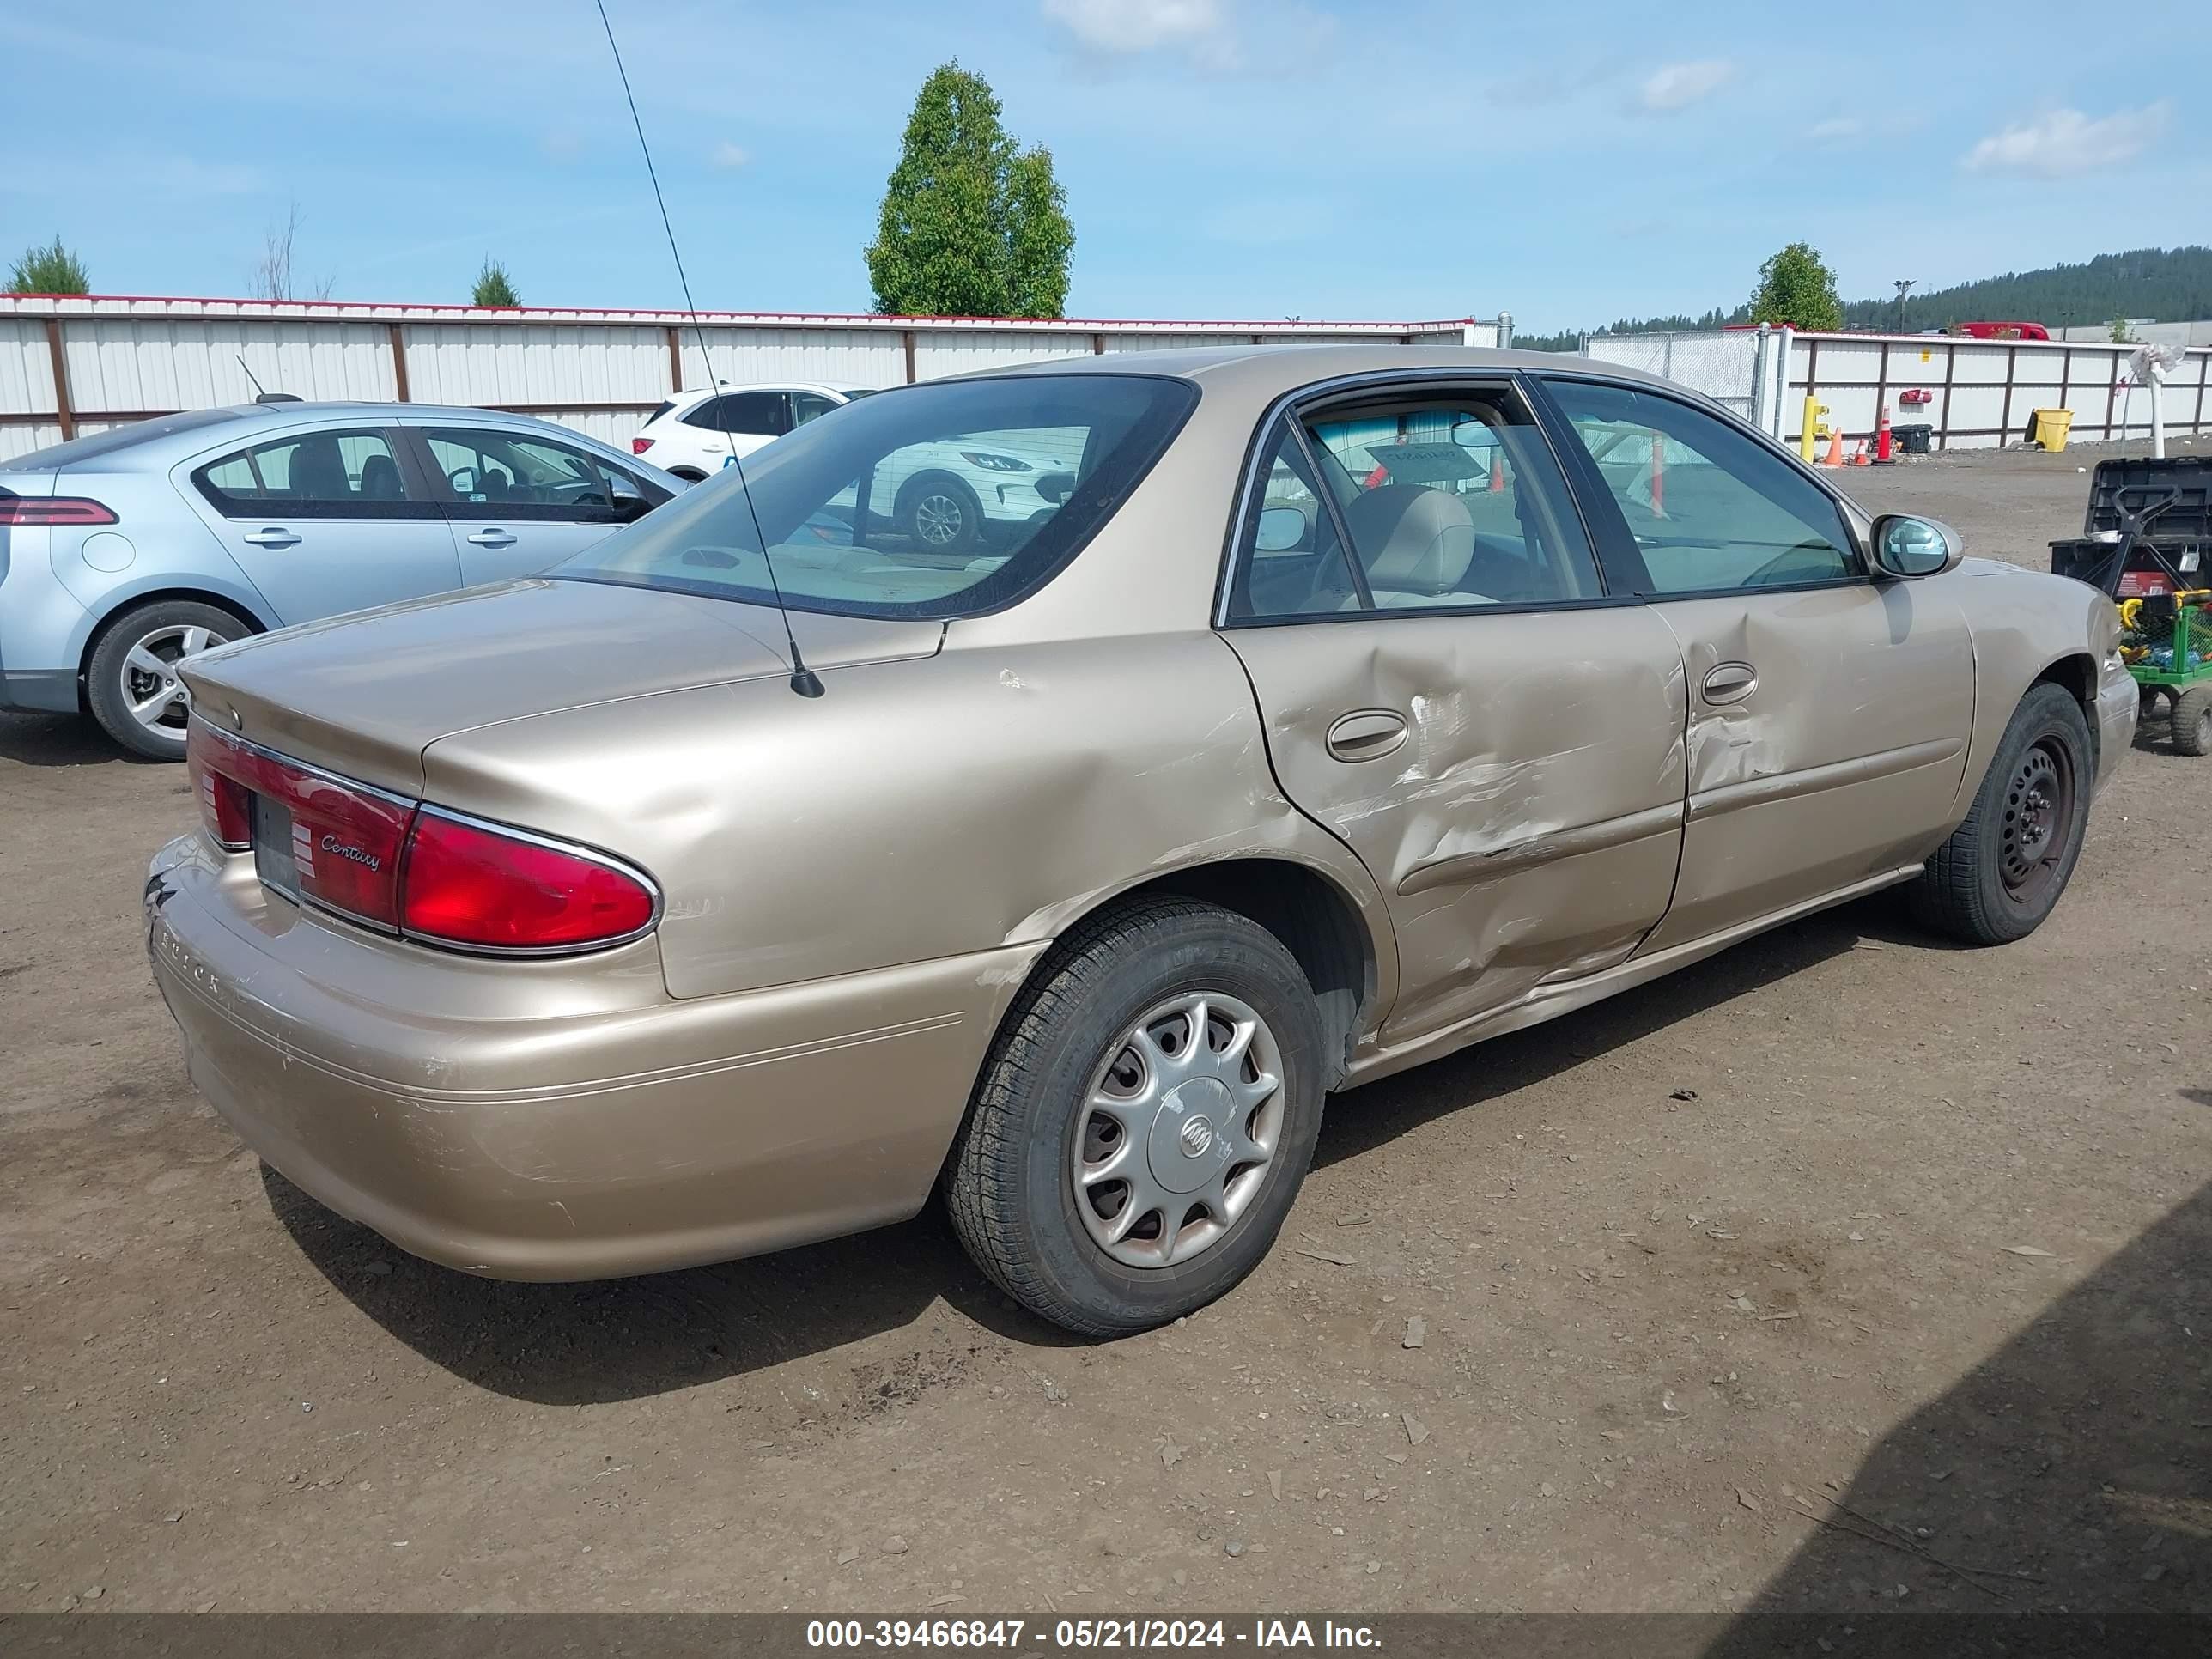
(1223, 158)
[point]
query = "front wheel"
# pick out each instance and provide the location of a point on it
(2003, 868)
(1144, 1122)
(940, 514)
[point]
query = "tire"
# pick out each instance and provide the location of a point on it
(2002, 869)
(1037, 1120)
(2145, 702)
(938, 513)
(2192, 721)
(133, 663)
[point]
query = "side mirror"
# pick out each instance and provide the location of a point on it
(1906, 546)
(1281, 529)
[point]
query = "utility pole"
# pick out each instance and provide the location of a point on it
(1903, 286)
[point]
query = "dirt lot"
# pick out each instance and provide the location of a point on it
(1659, 1330)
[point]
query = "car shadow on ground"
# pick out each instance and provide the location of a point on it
(57, 740)
(624, 1339)
(2070, 1470)
(1382, 1112)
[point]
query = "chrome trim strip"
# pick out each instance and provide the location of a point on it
(1489, 863)
(1814, 780)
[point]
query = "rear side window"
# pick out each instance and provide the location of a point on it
(658, 412)
(942, 499)
(1447, 502)
(750, 414)
(342, 474)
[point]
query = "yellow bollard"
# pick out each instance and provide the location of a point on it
(1813, 410)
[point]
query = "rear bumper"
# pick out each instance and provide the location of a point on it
(48, 690)
(527, 1125)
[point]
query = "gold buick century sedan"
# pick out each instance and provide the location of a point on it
(1321, 711)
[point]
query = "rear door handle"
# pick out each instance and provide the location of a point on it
(1732, 682)
(272, 536)
(1366, 734)
(492, 537)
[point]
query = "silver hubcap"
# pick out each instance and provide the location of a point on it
(1179, 1130)
(152, 692)
(938, 520)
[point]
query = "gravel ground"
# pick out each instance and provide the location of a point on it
(1915, 1284)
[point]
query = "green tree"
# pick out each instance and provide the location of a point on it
(1797, 287)
(494, 286)
(2119, 332)
(970, 225)
(52, 269)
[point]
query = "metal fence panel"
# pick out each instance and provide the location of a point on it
(601, 371)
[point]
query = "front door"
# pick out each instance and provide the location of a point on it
(519, 503)
(1829, 713)
(1498, 739)
(325, 521)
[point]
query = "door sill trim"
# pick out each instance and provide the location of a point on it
(1549, 1001)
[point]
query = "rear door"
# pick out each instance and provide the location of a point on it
(1497, 737)
(1829, 713)
(323, 520)
(518, 502)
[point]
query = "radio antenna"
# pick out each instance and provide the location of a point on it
(250, 374)
(803, 680)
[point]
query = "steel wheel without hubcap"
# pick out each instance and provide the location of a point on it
(1179, 1130)
(2038, 806)
(152, 693)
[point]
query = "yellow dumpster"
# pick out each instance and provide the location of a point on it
(2051, 426)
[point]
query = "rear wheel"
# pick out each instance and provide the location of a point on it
(2003, 868)
(2192, 721)
(1144, 1122)
(131, 681)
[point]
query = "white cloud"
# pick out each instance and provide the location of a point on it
(2063, 142)
(1679, 85)
(1837, 129)
(1121, 28)
(727, 155)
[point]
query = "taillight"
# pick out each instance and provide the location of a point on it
(226, 808)
(639, 445)
(472, 885)
(35, 512)
(336, 842)
(414, 870)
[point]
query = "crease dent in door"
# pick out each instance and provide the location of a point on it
(1528, 826)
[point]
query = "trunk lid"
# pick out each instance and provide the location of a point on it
(364, 695)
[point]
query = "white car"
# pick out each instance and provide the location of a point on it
(694, 434)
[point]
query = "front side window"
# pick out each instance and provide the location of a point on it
(1711, 510)
(512, 476)
(343, 474)
(937, 501)
(808, 406)
(1448, 501)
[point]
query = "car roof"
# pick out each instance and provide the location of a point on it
(154, 445)
(1270, 371)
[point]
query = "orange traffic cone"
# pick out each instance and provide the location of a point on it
(1859, 454)
(1498, 475)
(1835, 455)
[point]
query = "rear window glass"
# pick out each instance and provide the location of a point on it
(93, 446)
(942, 500)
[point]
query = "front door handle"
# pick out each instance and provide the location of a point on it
(490, 536)
(1732, 682)
(1366, 734)
(272, 536)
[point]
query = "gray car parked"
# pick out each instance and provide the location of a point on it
(125, 552)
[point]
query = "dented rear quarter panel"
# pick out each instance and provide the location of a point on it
(919, 809)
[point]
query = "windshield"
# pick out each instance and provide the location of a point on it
(942, 500)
